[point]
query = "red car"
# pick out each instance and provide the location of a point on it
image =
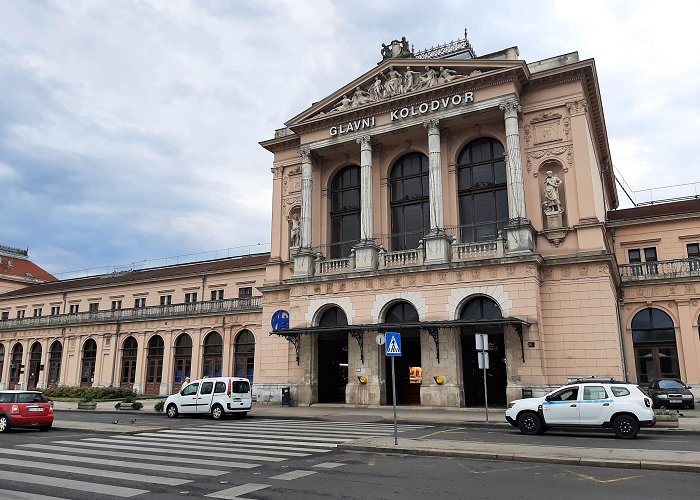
(25, 409)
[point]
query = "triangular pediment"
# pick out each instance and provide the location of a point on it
(394, 79)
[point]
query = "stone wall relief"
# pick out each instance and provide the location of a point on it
(543, 128)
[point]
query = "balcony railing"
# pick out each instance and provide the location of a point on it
(135, 314)
(661, 270)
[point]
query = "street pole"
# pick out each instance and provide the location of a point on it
(393, 394)
(486, 392)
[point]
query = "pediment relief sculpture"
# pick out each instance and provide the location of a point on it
(392, 83)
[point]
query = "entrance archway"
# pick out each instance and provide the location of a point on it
(408, 366)
(212, 358)
(34, 366)
(154, 364)
(129, 354)
(244, 355)
(654, 340)
(183, 361)
(483, 308)
(55, 355)
(2, 360)
(87, 371)
(16, 365)
(333, 357)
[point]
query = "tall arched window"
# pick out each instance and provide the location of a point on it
(183, 360)
(345, 211)
(55, 355)
(16, 364)
(654, 340)
(87, 371)
(2, 360)
(481, 308)
(129, 354)
(244, 356)
(154, 364)
(483, 194)
(410, 202)
(34, 366)
(212, 357)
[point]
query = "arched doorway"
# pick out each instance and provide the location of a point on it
(154, 364)
(87, 370)
(55, 355)
(130, 350)
(182, 361)
(16, 365)
(408, 366)
(244, 355)
(212, 358)
(34, 366)
(483, 308)
(654, 340)
(332, 357)
(2, 360)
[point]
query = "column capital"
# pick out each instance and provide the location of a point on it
(305, 154)
(510, 108)
(578, 107)
(433, 125)
(364, 140)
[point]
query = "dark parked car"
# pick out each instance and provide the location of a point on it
(25, 409)
(671, 393)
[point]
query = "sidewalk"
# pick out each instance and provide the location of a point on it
(682, 461)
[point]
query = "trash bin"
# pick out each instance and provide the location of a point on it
(286, 396)
(527, 393)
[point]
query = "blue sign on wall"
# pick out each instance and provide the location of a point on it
(393, 344)
(280, 320)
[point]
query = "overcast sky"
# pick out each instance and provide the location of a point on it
(129, 130)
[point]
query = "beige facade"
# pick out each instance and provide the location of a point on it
(440, 197)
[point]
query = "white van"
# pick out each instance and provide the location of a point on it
(219, 396)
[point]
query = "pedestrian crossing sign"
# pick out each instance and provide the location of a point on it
(393, 344)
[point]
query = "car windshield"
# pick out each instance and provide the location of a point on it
(671, 384)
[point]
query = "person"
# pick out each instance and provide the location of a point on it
(376, 90)
(552, 203)
(393, 82)
(343, 104)
(360, 97)
(295, 231)
(427, 79)
(187, 381)
(447, 74)
(409, 82)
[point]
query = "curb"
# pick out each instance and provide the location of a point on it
(523, 457)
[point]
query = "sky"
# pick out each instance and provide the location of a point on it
(129, 129)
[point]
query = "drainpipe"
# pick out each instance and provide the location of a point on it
(114, 358)
(619, 304)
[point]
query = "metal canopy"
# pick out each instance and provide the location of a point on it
(494, 326)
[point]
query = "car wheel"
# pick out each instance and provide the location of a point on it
(45, 428)
(625, 426)
(4, 423)
(529, 423)
(217, 412)
(172, 411)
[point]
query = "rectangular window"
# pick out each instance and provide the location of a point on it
(650, 254)
(166, 300)
(6, 315)
(190, 297)
(217, 295)
(94, 307)
(644, 260)
(139, 302)
(55, 310)
(37, 312)
(693, 250)
(634, 255)
(20, 313)
(116, 305)
(73, 308)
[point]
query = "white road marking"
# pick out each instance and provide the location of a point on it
(237, 491)
(72, 484)
(295, 474)
(224, 444)
(328, 465)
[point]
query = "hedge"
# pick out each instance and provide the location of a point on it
(93, 393)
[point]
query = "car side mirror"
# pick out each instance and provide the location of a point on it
(548, 398)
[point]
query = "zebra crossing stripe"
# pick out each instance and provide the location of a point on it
(117, 463)
(225, 443)
(329, 465)
(294, 474)
(237, 491)
(250, 440)
(299, 431)
(71, 484)
(141, 478)
(21, 495)
(313, 440)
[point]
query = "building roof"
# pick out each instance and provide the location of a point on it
(655, 210)
(134, 276)
(16, 266)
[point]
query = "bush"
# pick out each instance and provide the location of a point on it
(136, 405)
(87, 399)
(96, 393)
(159, 406)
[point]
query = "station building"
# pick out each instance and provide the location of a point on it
(440, 195)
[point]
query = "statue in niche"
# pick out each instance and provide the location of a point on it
(295, 231)
(552, 203)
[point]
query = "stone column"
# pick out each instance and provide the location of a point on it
(366, 250)
(166, 380)
(519, 230)
(304, 258)
(437, 243)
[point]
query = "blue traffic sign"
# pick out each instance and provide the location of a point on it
(393, 344)
(280, 320)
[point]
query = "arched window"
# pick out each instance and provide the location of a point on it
(87, 371)
(654, 339)
(34, 366)
(345, 211)
(129, 354)
(401, 312)
(212, 356)
(183, 360)
(55, 355)
(244, 356)
(333, 316)
(2, 360)
(154, 364)
(410, 202)
(16, 364)
(481, 308)
(483, 194)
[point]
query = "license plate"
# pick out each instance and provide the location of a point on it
(676, 401)
(37, 409)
